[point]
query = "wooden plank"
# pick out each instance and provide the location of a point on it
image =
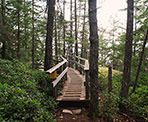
(55, 82)
(71, 99)
(72, 95)
(86, 67)
(54, 68)
(74, 89)
(63, 58)
(81, 58)
(69, 93)
(81, 65)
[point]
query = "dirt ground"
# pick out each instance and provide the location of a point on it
(82, 117)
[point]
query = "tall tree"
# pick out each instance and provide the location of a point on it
(93, 59)
(109, 79)
(128, 50)
(71, 30)
(71, 23)
(140, 62)
(18, 28)
(55, 34)
(3, 23)
(49, 35)
(64, 26)
(76, 32)
(33, 28)
(83, 32)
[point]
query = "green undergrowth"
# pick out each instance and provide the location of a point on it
(136, 104)
(24, 94)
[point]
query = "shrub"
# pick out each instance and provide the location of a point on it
(24, 94)
(137, 103)
(108, 106)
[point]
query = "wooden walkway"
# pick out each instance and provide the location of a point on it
(74, 89)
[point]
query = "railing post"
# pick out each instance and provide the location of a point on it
(87, 83)
(54, 92)
(65, 77)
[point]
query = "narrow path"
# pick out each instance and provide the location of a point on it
(74, 89)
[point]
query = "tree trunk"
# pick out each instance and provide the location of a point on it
(83, 33)
(93, 59)
(33, 34)
(128, 50)
(56, 46)
(135, 40)
(59, 38)
(71, 29)
(25, 27)
(109, 79)
(140, 62)
(71, 24)
(18, 30)
(3, 23)
(76, 32)
(49, 35)
(64, 26)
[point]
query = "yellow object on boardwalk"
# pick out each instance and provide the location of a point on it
(53, 75)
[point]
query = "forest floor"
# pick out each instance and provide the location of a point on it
(61, 116)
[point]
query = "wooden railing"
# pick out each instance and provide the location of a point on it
(83, 67)
(63, 74)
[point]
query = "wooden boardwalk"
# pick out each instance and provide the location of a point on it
(74, 89)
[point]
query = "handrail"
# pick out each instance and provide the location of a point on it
(86, 67)
(80, 58)
(58, 79)
(54, 68)
(81, 65)
(55, 82)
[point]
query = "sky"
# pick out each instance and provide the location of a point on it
(109, 10)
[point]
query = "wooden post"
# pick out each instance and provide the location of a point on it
(87, 83)
(54, 92)
(109, 79)
(65, 77)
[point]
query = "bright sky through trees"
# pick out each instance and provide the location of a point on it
(111, 9)
(107, 11)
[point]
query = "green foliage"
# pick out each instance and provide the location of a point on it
(103, 79)
(108, 106)
(24, 94)
(137, 103)
(9, 31)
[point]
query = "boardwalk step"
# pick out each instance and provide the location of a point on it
(73, 90)
(72, 93)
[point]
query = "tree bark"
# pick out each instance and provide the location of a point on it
(83, 33)
(25, 27)
(3, 23)
(64, 26)
(93, 59)
(135, 41)
(71, 29)
(33, 28)
(49, 35)
(71, 24)
(56, 46)
(76, 32)
(59, 38)
(109, 79)
(128, 50)
(18, 30)
(140, 63)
